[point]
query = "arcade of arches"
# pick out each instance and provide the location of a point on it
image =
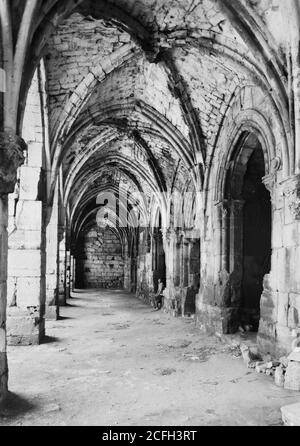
(151, 140)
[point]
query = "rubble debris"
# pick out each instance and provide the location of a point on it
(279, 375)
(166, 371)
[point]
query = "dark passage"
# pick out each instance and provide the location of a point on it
(256, 238)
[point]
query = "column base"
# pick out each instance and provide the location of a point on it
(52, 313)
(274, 339)
(24, 327)
(173, 301)
(219, 320)
(62, 301)
(68, 293)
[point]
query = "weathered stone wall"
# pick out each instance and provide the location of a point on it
(280, 301)
(100, 263)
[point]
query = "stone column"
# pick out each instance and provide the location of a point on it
(26, 263)
(62, 265)
(224, 235)
(127, 269)
(177, 260)
(185, 266)
(52, 309)
(168, 240)
(11, 157)
(194, 261)
(231, 300)
(68, 274)
(72, 277)
(3, 288)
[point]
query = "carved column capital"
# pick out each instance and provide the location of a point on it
(167, 233)
(11, 157)
(269, 183)
(223, 207)
(237, 206)
(291, 191)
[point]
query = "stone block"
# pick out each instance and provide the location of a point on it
(291, 414)
(283, 302)
(29, 182)
(29, 215)
(292, 376)
(269, 305)
(24, 263)
(277, 236)
(24, 327)
(25, 239)
(35, 154)
(290, 234)
(284, 339)
(28, 292)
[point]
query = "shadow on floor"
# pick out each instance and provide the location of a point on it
(63, 318)
(15, 405)
(49, 339)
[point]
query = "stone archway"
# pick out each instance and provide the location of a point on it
(248, 230)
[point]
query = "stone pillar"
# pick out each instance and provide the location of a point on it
(62, 298)
(11, 157)
(170, 249)
(3, 276)
(26, 263)
(194, 262)
(73, 268)
(127, 269)
(280, 302)
(68, 275)
(177, 259)
(185, 263)
(52, 309)
(224, 236)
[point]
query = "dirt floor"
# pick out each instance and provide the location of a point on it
(112, 360)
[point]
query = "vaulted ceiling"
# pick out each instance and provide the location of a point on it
(138, 89)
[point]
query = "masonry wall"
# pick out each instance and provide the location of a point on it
(100, 263)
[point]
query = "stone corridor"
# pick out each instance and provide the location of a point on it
(112, 360)
(150, 147)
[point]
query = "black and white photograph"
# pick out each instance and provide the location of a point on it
(149, 216)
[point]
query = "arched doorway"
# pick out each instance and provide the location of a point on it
(249, 232)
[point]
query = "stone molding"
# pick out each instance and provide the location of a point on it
(269, 183)
(11, 157)
(291, 191)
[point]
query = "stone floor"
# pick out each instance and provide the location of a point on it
(112, 360)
